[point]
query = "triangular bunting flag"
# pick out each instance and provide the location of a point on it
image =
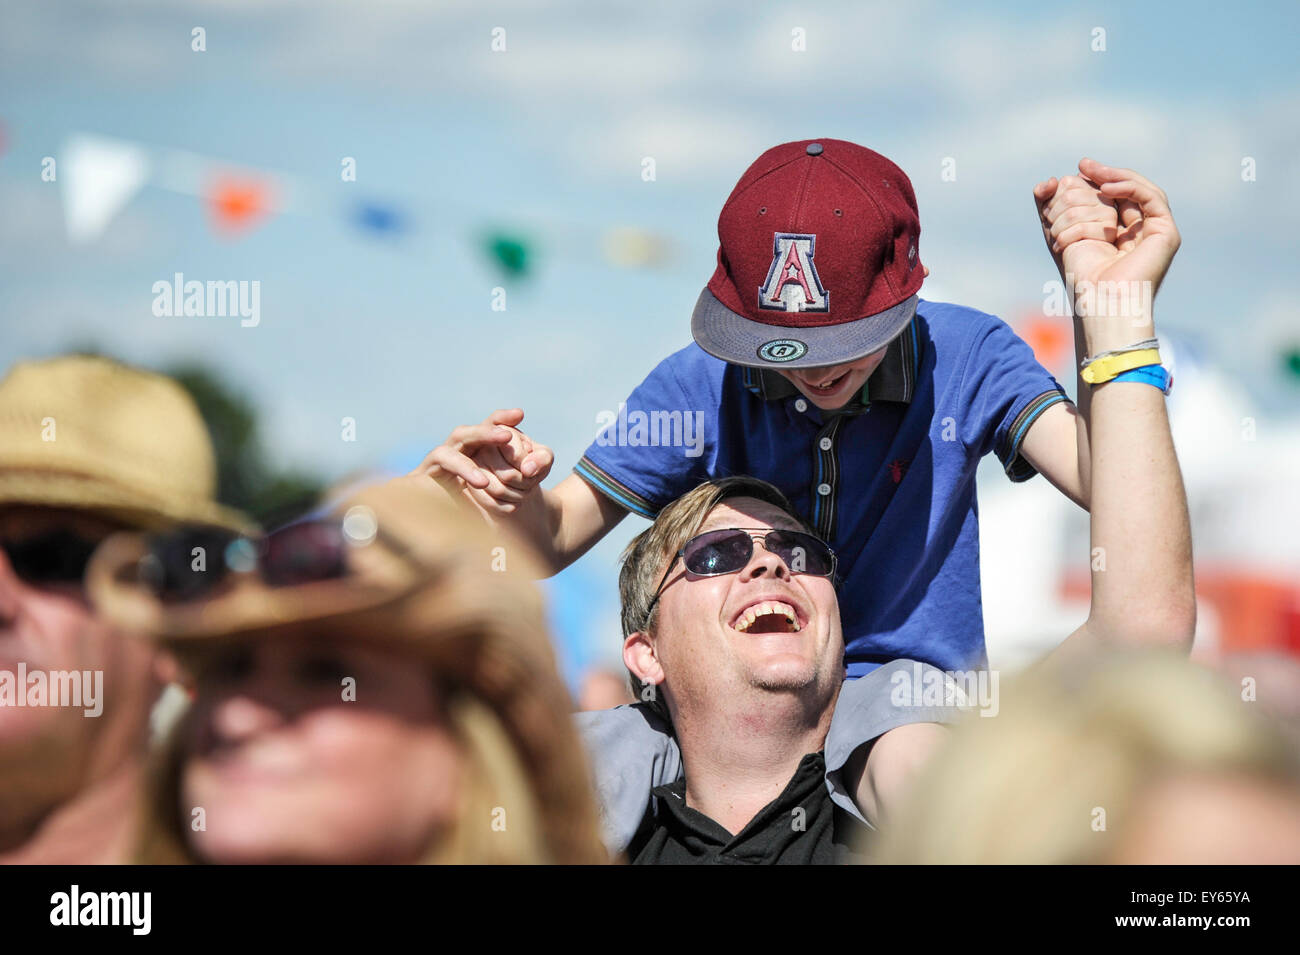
(237, 203)
(634, 248)
(510, 252)
(379, 218)
(99, 178)
(1291, 360)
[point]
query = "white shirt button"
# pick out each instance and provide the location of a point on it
(800, 405)
(824, 444)
(823, 489)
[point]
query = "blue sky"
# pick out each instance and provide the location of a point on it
(548, 137)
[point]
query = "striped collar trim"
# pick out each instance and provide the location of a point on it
(893, 380)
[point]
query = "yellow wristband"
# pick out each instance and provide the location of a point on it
(1104, 369)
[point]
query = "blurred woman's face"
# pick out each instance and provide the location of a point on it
(317, 750)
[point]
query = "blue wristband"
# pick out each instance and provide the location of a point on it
(1155, 375)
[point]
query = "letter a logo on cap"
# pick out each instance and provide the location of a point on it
(792, 284)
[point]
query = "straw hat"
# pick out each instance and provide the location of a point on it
(92, 434)
(424, 577)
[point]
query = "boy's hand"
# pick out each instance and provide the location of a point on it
(1079, 224)
(494, 465)
(1112, 234)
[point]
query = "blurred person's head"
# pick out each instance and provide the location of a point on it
(49, 753)
(1135, 758)
(87, 447)
(730, 618)
(402, 706)
(1272, 678)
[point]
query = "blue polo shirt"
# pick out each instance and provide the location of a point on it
(888, 481)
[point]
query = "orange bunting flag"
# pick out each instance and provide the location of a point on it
(237, 204)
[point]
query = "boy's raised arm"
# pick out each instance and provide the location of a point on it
(1141, 558)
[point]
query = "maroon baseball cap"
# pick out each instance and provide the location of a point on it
(818, 263)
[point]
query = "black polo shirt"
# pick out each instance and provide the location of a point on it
(800, 827)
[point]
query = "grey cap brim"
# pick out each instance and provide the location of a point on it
(742, 341)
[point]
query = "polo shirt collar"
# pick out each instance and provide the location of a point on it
(893, 380)
(765, 837)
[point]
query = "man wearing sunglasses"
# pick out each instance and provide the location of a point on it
(733, 639)
(87, 447)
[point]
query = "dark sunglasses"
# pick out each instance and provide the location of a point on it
(53, 557)
(729, 550)
(188, 563)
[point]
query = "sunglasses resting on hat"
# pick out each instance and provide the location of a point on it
(298, 553)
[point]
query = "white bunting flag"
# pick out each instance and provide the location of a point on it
(99, 177)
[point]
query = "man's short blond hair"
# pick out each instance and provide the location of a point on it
(645, 558)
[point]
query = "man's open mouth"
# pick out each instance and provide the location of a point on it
(768, 616)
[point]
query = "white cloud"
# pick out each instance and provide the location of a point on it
(686, 143)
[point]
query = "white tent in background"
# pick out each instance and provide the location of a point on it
(1240, 470)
